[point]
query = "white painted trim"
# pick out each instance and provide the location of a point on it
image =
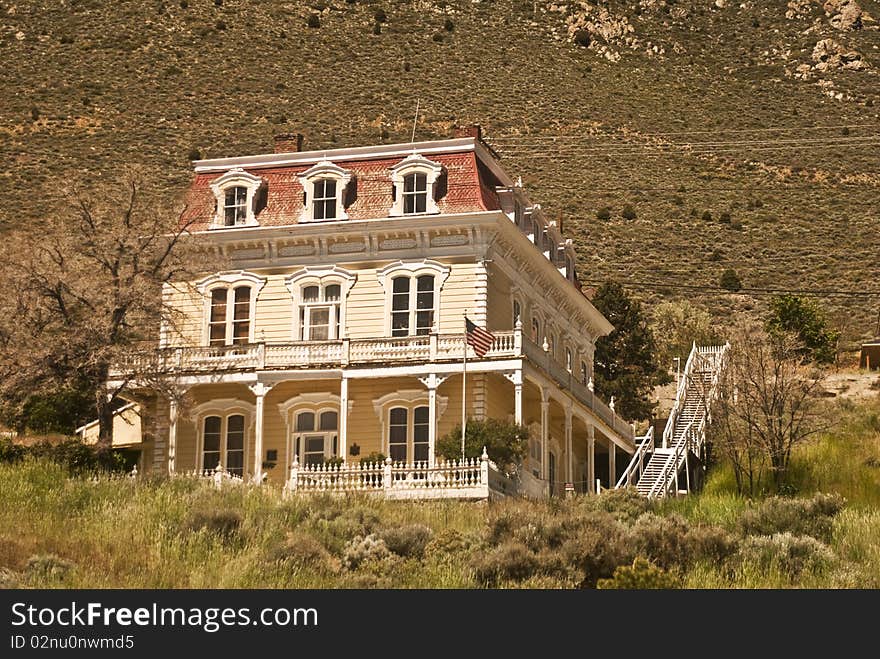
(229, 281)
(224, 408)
(413, 269)
(324, 170)
(409, 399)
(235, 177)
(373, 152)
(415, 163)
(94, 423)
(320, 276)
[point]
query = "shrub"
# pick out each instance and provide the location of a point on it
(224, 524)
(582, 38)
(78, 457)
(10, 452)
(625, 505)
(707, 216)
(724, 218)
(641, 575)
(790, 554)
(364, 549)
(677, 200)
(603, 213)
(48, 567)
(220, 25)
(664, 539)
(505, 442)
(304, 550)
(628, 212)
(813, 517)
(511, 560)
(374, 457)
(377, 28)
(438, 37)
(184, 4)
(380, 16)
(711, 543)
(595, 549)
(313, 21)
(448, 25)
(446, 543)
(408, 541)
(730, 281)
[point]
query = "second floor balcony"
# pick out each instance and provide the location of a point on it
(355, 353)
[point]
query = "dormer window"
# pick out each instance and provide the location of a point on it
(416, 186)
(235, 206)
(325, 199)
(415, 193)
(325, 186)
(239, 197)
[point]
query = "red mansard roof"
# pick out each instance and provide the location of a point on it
(468, 188)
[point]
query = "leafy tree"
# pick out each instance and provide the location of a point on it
(730, 281)
(505, 442)
(677, 326)
(84, 290)
(625, 362)
(804, 319)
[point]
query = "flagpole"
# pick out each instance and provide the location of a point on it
(464, 386)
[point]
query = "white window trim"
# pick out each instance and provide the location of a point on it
(235, 178)
(410, 399)
(324, 170)
(224, 408)
(229, 281)
(320, 276)
(412, 269)
(415, 163)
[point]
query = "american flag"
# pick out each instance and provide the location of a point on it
(479, 339)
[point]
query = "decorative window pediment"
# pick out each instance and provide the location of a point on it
(326, 190)
(415, 180)
(230, 306)
(237, 193)
(320, 294)
(412, 296)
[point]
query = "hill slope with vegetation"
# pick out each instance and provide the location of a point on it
(738, 135)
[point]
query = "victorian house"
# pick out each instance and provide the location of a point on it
(336, 334)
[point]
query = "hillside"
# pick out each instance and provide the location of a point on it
(740, 135)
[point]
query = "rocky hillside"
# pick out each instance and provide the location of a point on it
(741, 135)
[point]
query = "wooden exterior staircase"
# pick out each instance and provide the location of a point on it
(659, 469)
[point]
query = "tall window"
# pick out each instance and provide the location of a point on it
(223, 443)
(324, 199)
(412, 305)
(230, 321)
(415, 193)
(317, 436)
(585, 374)
(235, 206)
(319, 312)
(517, 310)
(408, 434)
(568, 361)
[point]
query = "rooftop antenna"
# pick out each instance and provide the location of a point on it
(415, 121)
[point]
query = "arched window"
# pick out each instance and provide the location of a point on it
(585, 373)
(324, 199)
(415, 193)
(235, 206)
(316, 436)
(320, 312)
(536, 331)
(223, 443)
(568, 360)
(230, 320)
(412, 305)
(325, 188)
(408, 431)
(517, 311)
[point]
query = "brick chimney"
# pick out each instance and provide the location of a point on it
(288, 142)
(474, 130)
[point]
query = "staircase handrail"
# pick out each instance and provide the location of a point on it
(679, 397)
(673, 462)
(646, 445)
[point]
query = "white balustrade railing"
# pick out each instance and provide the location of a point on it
(644, 447)
(218, 476)
(459, 479)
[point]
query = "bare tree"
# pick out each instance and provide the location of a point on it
(768, 405)
(84, 289)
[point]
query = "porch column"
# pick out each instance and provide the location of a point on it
(343, 419)
(518, 397)
(260, 389)
(569, 459)
(545, 433)
(591, 458)
(612, 464)
(432, 417)
(172, 435)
